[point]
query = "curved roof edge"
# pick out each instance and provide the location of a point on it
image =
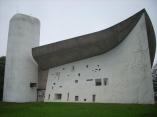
(151, 38)
(90, 45)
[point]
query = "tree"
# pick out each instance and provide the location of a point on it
(2, 69)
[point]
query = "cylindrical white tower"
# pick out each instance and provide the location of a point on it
(20, 69)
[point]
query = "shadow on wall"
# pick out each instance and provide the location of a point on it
(2, 69)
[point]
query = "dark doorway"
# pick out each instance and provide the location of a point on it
(93, 98)
(76, 98)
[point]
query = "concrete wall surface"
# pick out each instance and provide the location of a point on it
(21, 69)
(127, 69)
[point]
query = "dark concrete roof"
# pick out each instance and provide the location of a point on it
(90, 45)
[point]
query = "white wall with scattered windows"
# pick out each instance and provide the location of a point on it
(122, 75)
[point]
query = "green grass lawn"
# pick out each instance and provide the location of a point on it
(76, 110)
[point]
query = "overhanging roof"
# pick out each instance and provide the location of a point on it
(90, 45)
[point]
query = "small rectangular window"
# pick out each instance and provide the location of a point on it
(78, 74)
(48, 96)
(105, 81)
(89, 80)
(33, 84)
(58, 96)
(76, 98)
(73, 68)
(97, 82)
(76, 81)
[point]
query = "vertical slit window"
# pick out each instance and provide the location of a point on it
(105, 81)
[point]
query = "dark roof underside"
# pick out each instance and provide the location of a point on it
(90, 45)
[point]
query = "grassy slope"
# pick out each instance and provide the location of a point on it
(76, 110)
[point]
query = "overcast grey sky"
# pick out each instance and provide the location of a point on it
(63, 19)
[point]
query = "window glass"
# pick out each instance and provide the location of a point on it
(98, 82)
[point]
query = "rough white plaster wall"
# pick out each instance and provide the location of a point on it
(20, 67)
(127, 68)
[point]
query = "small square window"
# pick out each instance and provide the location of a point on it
(76, 81)
(33, 84)
(98, 82)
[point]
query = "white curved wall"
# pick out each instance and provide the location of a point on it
(127, 68)
(20, 67)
